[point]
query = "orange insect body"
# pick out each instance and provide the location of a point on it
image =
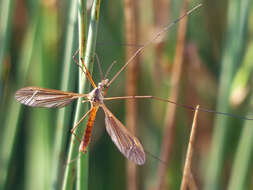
(86, 137)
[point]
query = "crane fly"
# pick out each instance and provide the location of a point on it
(128, 144)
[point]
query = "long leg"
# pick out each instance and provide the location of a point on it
(182, 105)
(86, 71)
(148, 97)
(78, 123)
(150, 41)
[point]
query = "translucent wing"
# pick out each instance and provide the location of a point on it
(127, 144)
(43, 97)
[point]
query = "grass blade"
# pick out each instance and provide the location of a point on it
(82, 169)
(5, 19)
(37, 146)
(63, 115)
(11, 121)
(232, 53)
(188, 160)
(242, 163)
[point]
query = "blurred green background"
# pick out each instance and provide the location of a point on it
(37, 41)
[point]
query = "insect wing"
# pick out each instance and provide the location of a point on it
(43, 97)
(127, 144)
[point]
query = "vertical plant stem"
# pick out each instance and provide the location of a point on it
(241, 167)
(63, 117)
(10, 126)
(192, 182)
(232, 54)
(37, 142)
(161, 16)
(5, 19)
(243, 159)
(169, 128)
(188, 159)
(82, 166)
(131, 31)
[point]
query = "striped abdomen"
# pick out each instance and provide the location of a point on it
(88, 130)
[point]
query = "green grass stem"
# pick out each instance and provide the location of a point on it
(63, 115)
(5, 19)
(243, 158)
(38, 150)
(82, 165)
(10, 126)
(231, 58)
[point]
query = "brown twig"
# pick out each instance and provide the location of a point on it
(131, 23)
(170, 117)
(192, 183)
(187, 166)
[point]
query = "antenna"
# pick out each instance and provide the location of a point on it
(109, 68)
(153, 39)
(99, 67)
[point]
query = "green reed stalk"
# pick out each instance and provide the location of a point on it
(5, 19)
(10, 126)
(231, 58)
(243, 160)
(37, 148)
(63, 115)
(240, 178)
(82, 166)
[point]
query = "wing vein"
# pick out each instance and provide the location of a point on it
(127, 143)
(43, 97)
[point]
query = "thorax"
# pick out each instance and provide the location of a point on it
(96, 96)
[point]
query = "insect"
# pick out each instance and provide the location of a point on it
(127, 143)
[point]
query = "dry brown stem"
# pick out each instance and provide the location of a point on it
(188, 159)
(131, 23)
(170, 117)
